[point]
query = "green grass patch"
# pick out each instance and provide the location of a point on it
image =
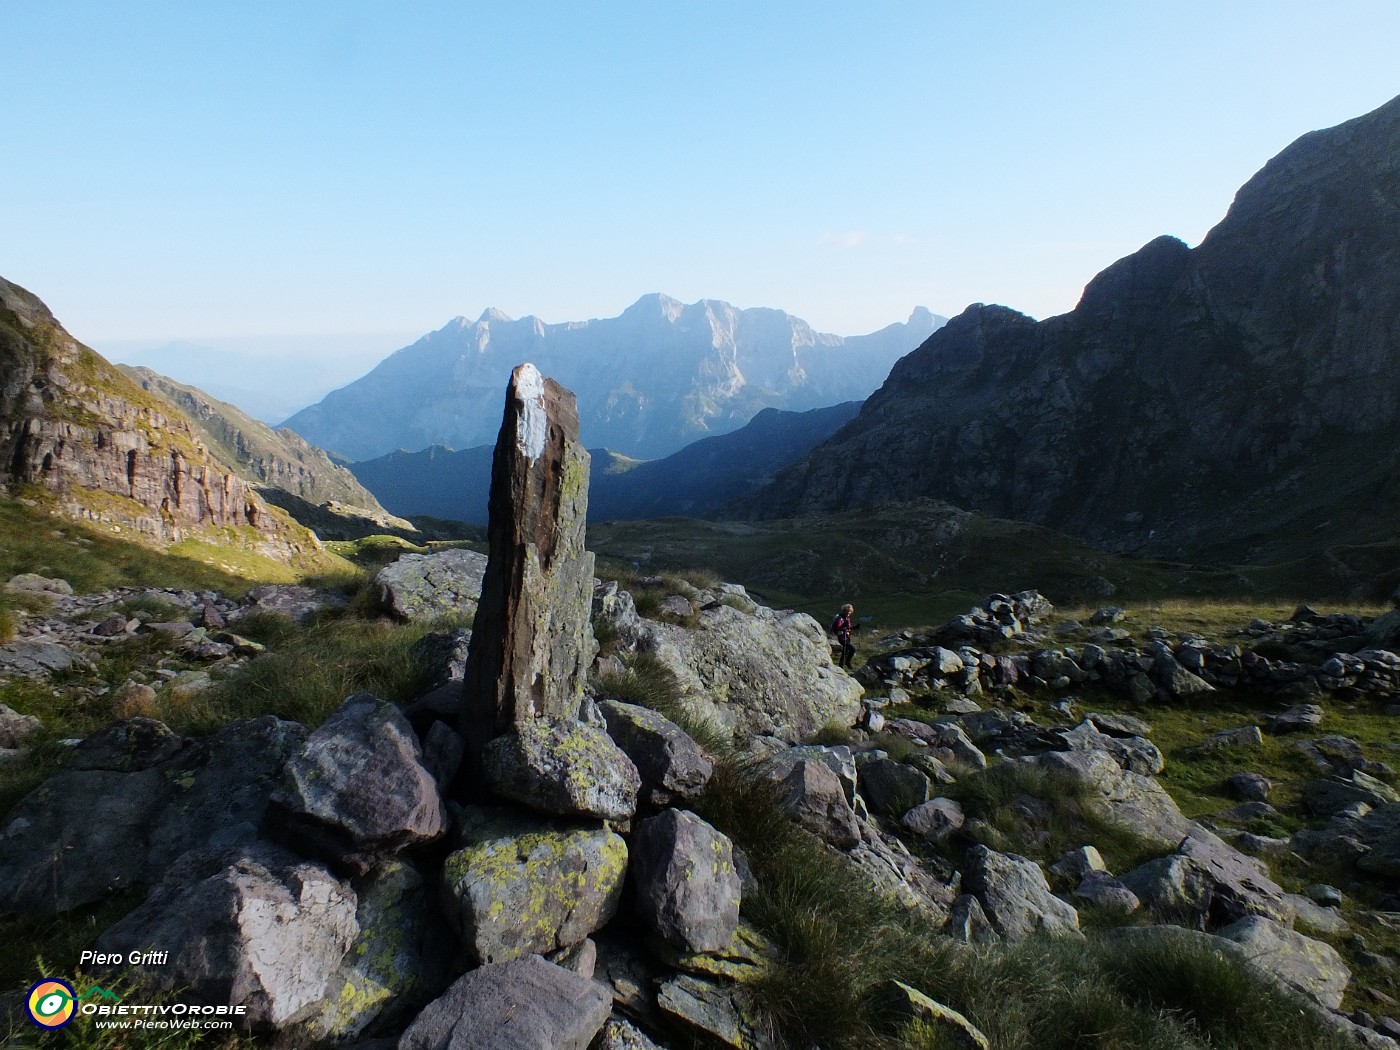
(312, 671)
(841, 942)
(34, 541)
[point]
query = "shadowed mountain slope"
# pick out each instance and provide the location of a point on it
(1240, 400)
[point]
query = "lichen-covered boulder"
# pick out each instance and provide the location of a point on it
(715, 1011)
(671, 765)
(357, 790)
(1015, 895)
(422, 587)
(912, 1006)
(253, 926)
(687, 887)
(518, 884)
(760, 673)
(524, 1004)
(566, 767)
(398, 958)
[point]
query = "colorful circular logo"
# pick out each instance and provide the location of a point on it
(51, 1003)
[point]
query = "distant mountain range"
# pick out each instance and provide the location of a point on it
(1236, 401)
(649, 382)
(701, 480)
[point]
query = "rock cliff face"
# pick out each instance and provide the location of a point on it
(279, 459)
(1240, 399)
(650, 381)
(107, 451)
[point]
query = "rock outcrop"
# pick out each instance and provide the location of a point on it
(104, 450)
(531, 642)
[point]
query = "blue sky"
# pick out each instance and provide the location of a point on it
(178, 170)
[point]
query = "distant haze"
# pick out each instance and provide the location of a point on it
(269, 377)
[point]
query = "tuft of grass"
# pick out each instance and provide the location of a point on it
(312, 671)
(1042, 813)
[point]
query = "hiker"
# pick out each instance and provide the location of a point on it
(842, 627)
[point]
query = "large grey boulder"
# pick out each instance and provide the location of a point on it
(532, 643)
(357, 790)
(1015, 895)
(253, 926)
(816, 798)
(518, 884)
(687, 887)
(892, 788)
(90, 831)
(968, 922)
(220, 792)
(671, 765)
(837, 758)
(762, 673)
(1207, 883)
(77, 837)
(524, 1004)
(1132, 799)
(1308, 966)
(1136, 754)
(565, 767)
(423, 587)
(934, 820)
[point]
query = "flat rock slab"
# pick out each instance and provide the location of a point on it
(911, 1005)
(525, 1004)
(712, 1010)
(357, 789)
(423, 587)
(298, 603)
(1308, 966)
(520, 884)
(34, 658)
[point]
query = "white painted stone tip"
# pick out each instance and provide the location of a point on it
(532, 425)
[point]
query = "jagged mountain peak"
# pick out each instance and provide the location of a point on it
(649, 381)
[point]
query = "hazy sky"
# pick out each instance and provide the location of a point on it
(187, 169)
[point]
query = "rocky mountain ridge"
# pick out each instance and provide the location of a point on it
(76, 431)
(698, 481)
(649, 381)
(1237, 400)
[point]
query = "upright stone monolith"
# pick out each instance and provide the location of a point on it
(531, 641)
